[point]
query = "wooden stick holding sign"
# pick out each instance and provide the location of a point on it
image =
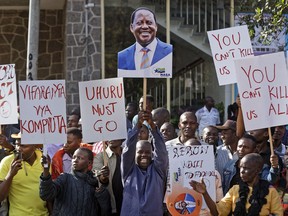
(144, 93)
(271, 141)
(105, 159)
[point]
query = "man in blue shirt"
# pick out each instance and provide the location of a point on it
(143, 171)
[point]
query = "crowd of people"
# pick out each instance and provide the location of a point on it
(129, 177)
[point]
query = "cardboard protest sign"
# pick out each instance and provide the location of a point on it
(8, 95)
(226, 45)
(188, 163)
(263, 90)
(161, 69)
(102, 105)
(42, 111)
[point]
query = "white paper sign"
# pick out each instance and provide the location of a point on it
(263, 90)
(188, 163)
(102, 105)
(42, 111)
(226, 45)
(8, 95)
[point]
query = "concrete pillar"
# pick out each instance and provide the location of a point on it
(33, 40)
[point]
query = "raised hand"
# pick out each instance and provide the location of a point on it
(200, 187)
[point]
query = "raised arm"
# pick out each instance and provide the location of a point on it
(160, 152)
(49, 189)
(128, 153)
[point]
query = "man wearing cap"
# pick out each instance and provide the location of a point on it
(227, 151)
(19, 180)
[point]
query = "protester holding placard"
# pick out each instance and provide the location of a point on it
(143, 171)
(252, 196)
(110, 173)
(149, 107)
(19, 180)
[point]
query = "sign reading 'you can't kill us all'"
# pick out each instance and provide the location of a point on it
(263, 89)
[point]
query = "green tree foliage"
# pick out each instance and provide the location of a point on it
(268, 15)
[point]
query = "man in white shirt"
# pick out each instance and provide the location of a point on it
(207, 115)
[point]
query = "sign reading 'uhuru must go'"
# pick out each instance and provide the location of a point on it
(103, 110)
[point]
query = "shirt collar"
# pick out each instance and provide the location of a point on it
(151, 46)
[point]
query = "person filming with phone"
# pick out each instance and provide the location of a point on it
(19, 180)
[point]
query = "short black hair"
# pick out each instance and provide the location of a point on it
(149, 97)
(141, 8)
(133, 104)
(248, 136)
(88, 151)
(75, 131)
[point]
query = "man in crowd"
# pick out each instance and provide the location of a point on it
(144, 171)
(78, 192)
(110, 173)
(148, 108)
(277, 136)
(160, 115)
(19, 180)
(227, 151)
(207, 115)
(187, 126)
(168, 131)
(62, 160)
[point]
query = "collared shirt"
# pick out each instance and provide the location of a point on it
(98, 163)
(223, 156)
(139, 53)
(67, 163)
(206, 118)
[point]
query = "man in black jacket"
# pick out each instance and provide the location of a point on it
(75, 193)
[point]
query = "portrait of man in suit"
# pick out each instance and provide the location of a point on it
(148, 53)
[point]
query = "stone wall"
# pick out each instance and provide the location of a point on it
(83, 54)
(64, 50)
(13, 42)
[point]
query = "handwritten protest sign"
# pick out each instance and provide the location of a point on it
(226, 45)
(103, 110)
(42, 111)
(263, 90)
(8, 95)
(188, 163)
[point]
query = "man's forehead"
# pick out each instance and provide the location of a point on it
(188, 117)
